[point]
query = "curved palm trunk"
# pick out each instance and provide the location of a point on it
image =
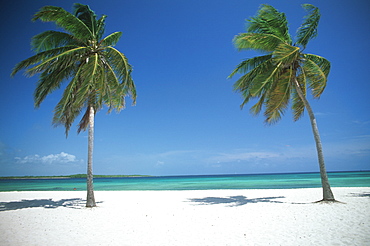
(327, 193)
(90, 200)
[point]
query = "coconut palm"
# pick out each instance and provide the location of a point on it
(98, 74)
(283, 73)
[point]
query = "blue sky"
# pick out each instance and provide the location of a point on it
(187, 119)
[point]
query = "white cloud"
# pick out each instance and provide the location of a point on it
(355, 147)
(48, 159)
(245, 156)
(359, 122)
(160, 163)
(174, 153)
(321, 114)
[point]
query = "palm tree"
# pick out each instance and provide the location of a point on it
(98, 74)
(283, 74)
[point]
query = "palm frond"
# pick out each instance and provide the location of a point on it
(257, 41)
(100, 25)
(111, 39)
(50, 40)
(106, 89)
(316, 78)
(45, 64)
(87, 16)
(119, 63)
(249, 64)
(50, 81)
(68, 107)
(129, 88)
(103, 88)
(65, 20)
(270, 21)
(40, 57)
(246, 81)
(297, 104)
(323, 63)
(256, 84)
(89, 73)
(278, 97)
(256, 109)
(84, 122)
(285, 53)
(308, 29)
(264, 81)
(110, 73)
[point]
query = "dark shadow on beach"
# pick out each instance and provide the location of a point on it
(76, 203)
(364, 194)
(234, 201)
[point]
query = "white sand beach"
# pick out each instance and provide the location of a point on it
(201, 217)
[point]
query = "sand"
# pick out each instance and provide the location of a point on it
(202, 217)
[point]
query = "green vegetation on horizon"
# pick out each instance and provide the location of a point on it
(73, 176)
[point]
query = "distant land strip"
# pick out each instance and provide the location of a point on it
(73, 176)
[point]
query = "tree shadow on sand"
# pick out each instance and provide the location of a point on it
(234, 201)
(363, 194)
(76, 203)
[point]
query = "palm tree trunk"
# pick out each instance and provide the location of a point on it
(90, 201)
(327, 193)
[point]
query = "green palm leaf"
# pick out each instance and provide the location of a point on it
(65, 20)
(316, 78)
(285, 53)
(255, 109)
(40, 57)
(100, 25)
(46, 64)
(308, 29)
(323, 63)
(249, 64)
(67, 109)
(87, 16)
(278, 97)
(297, 104)
(119, 63)
(50, 81)
(270, 21)
(257, 41)
(89, 75)
(50, 40)
(263, 82)
(246, 81)
(111, 39)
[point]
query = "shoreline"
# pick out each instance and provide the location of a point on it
(186, 217)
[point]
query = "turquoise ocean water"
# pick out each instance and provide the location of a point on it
(204, 182)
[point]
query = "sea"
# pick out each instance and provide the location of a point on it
(194, 182)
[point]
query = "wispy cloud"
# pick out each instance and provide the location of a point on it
(362, 123)
(173, 153)
(48, 159)
(322, 114)
(354, 146)
(358, 146)
(243, 156)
